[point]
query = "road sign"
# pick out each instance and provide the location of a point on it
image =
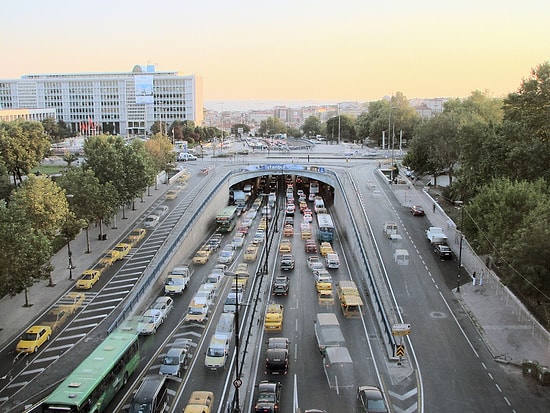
(401, 329)
(237, 383)
(400, 351)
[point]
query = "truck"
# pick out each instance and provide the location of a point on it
(435, 235)
(338, 367)
(177, 280)
(239, 198)
(327, 331)
(350, 300)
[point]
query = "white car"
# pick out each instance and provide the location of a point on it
(149, 322)
(164, 305)
(238, 240)
(161, 211)
(246, 222)
(226, 255)
(151, 221)
(259, 237)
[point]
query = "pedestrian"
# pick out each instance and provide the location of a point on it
(481, 278)
(474, 278)
(433, 208)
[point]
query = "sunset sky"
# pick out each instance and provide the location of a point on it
(348, 50)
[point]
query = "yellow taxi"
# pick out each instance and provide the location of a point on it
(325, 248)
(33, 338)
(87, 279)
(288, 231)
(285, 246)
(305, 229)
(123, 249)
(274, 317)
(171, 194)
(55, 318)
(201, 256)
(136, 236)
(251, 253)
(263, 224)
(109, 259)
(72, 301)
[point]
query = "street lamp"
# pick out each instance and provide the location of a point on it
(237, 382)
(70, 267)
(460, 244)
(390, 141)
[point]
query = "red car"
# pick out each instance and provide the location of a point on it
(417, 211)
(311, 245)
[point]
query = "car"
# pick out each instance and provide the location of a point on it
(290, 208)
(251, 253)
(287, 262)
(161, 211)
(311, 197)
(289, 221)
(109, 259)
(418, 211)
(288, 231)
(269, 397)
(371, 400)
(87, 279)
(135, 236)
(243, 230)
(259, 237)
(314, 262)
(285, 246)
(174, 361)
(151, 221)
(186, 156)
(308, 218)
(149, 322)
(55, 318)
(274, 317)
(214, 242)
(325, 248)
(302, 205)
(263, 224)
(247, 222)
(226, 255)
(123, 249)
(33, 338)
(164, 305)
(276, 360)
(238, 240)
(242, 269)
(310, 246)
(443, 251)
(72, 301)
(201, 256)
(280, 285)
(171, 194)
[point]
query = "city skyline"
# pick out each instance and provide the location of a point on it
(356, 50)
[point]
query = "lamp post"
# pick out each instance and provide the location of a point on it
(460, 245)
(69, 252)
(390, 140)
(235, 408)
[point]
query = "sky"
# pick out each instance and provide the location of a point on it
(287, 50)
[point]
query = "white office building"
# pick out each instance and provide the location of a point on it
(125, 103)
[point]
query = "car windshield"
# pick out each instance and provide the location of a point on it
(170, 361)
(29, 336)
(215, 352)
(195, 311)
(174, 281)
(87, 276)
(266, 398)
(375, 404)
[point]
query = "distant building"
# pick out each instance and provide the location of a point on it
(126, 103)
(428, 108)
(35, 115)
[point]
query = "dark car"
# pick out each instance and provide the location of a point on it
(417, 211)
(280, 285)
(269, 397)
(276, 361)
(371, 399)
(443, 251)
(289, 221)
(287, 262)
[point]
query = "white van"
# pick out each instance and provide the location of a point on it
(225, 326)
(186, 156)
(319, 206)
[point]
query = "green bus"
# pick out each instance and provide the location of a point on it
(227, 218)
(96, 381)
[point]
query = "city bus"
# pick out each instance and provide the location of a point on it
(227, 218)
(96, 381)
(326, 228)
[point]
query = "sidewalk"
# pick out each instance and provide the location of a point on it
(16, 317)
(511, 334)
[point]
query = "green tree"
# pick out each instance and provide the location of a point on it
(23, 145)
(161, 156)
(341, 127)
(312, 126)
(25, 253)
(271, 126)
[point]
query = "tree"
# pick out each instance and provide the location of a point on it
(57, 131)
(161, 156)
(25, 253)
(137, 167)
(271, 126)
(312, 126)
(43, 204)
(23, 145)
(341, 127)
